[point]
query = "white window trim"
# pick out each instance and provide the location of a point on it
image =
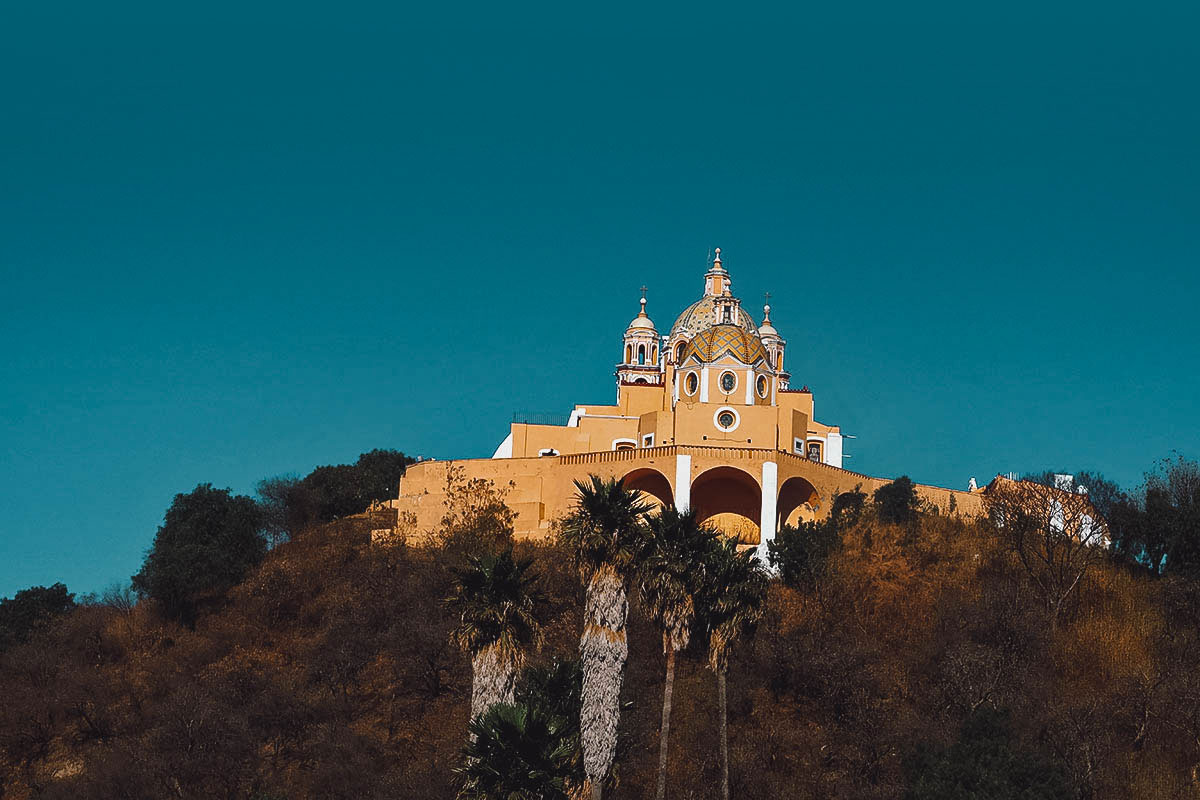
(737, 419)
(721, 388)
(648, 440)
(766, 386)
(800, 446)
(687, 375)
(616, 442)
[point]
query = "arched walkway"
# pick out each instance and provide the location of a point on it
(798, 501)
(652, 482)
(731, 499)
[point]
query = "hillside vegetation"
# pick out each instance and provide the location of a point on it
(894, 659)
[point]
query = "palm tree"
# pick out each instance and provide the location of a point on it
(502, 611)
(605, 531)
(672, 573)
(515, 752)
(735, 589)
(554, 689)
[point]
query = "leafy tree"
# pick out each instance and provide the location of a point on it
(30, 608)
(731, 604)
(605, 531)
(515, 752)
(985, 762)
(897, 502)
(1161, 529)
(282, 509)
(209, 539)
(501, 618)
(803, 553)
(379, 474)
(671, 575)
(291, 504)
(848, 507)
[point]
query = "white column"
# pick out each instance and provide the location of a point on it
(766, 516)
(749, 387)
(704, 384)
(833, 450)
(683, 482)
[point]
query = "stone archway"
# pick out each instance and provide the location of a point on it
(798, 502)
(652, 483)
(731, 499)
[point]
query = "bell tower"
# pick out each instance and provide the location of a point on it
(641, 361)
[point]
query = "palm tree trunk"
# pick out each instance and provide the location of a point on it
(603, 649)
(724, 726)
(664, 734)
(494, 678)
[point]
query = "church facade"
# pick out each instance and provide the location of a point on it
(705, 416)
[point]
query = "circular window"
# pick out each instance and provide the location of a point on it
(726, 419)
(691, 383)
(762, 386)
(728, 382)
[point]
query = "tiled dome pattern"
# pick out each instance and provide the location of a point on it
(702, 315)
(710, 344)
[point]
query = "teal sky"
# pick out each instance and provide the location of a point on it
(242, 240)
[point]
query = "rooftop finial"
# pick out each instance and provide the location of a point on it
(643, 311)
(717, 260)
(766, 306)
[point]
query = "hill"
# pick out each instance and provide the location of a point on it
(908, 659)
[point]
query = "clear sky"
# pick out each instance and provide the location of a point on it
(240, 240)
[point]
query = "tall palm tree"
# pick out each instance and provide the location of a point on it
(731, 604)
(605, 531)
(515, 752)
(501, 619)
(671, 574)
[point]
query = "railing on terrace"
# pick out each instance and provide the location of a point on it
(663, 451)
(540, 418)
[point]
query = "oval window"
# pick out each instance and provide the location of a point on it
(762, 386)
(692, 383)
(728, 382)
(725, 419)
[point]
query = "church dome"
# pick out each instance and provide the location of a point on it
(702, 315)
(717, 340)
(641, 321)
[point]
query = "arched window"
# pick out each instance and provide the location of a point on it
(679, 352)
(628, 354)
(654, 358)
(641, 354)
(779, 360)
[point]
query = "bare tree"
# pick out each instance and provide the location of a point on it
(1056, 534)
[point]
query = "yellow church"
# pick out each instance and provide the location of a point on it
(705, 417)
